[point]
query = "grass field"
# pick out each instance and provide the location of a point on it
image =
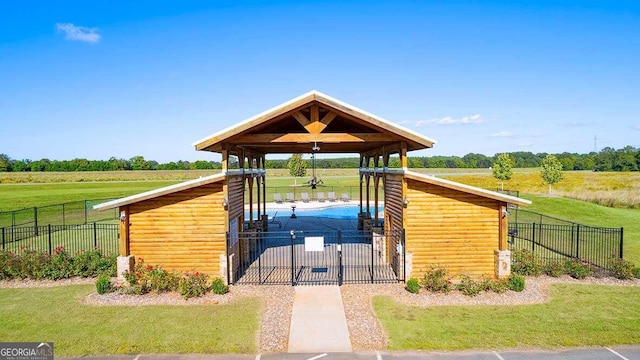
(577, 315)
(57, 314)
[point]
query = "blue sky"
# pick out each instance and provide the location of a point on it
(109, 78)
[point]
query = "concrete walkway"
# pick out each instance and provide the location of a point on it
(318, 322)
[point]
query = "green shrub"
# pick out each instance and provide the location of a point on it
(219, 287)
(470, 287)
(622, 269)
(103, 284)
(577, 269)
(161, 280)
(497, 286)
(524, 262)
(516, 282)
(554, 268)
(193, 285)
(413, 286)
(636, 273)
(436, 279)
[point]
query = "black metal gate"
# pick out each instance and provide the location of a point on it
(316, 257)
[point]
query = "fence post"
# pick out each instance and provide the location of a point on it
(533, 238)
(95, 236)
(578, 241)
(63, 217)
(340, 275)
(621, 241)
(35, 219)
(370, 234)
(85, 211)
(292, 235)
(49, 237)
(2, 238)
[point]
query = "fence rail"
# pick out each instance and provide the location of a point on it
(73, 238)
(70, 213)
(316, 257)
(594, 245)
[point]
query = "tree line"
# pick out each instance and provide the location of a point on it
(608, 159)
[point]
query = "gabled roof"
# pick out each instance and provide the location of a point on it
(430, 179)
(160, 192)
(314, 117)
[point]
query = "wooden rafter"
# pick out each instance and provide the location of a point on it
(301, 118)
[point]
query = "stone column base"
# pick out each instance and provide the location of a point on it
(503, 263)
(124, 263)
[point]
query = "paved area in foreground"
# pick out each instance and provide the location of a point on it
(595, 353)
(318, 322)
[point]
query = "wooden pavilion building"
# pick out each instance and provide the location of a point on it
(195, 225)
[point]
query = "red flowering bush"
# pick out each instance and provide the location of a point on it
(193, 284)
(146, 278)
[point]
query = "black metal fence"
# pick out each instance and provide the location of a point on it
(556, 239)
(316, 257)
(72, 237)
(70, 213)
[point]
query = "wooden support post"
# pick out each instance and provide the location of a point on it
(250, 180)
(225, 161)
(124, 231)
(403, 155)
(504, 228)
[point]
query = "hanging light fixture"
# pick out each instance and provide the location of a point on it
(314, 149)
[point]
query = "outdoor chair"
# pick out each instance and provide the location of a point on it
(277, 198)
(332, 196)
(345, 197)
(290, 197)
(320, 196)
(305, 197)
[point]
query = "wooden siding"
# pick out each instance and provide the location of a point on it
(450, 228)
(393, 206)
(183, 231)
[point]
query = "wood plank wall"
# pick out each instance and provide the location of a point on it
(457, 230)
(393, 200)
(182, 231)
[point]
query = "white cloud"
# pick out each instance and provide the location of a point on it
(503, 134)
(448, 120)
(78, 33)
(636, 127)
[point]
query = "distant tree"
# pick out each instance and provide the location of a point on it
(200, 165)
(19, 165)
(502, 168)
(551, 170)
(297, 167)
(5, 162)
(139, 163)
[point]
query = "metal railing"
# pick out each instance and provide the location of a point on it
(316, 257)
(73, 238)
(555, 239)
(70, 213)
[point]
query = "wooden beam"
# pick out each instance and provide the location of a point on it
(315, 113)
(327, 119)
(301, 138)
(301, 118)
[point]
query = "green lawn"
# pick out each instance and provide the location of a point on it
(577, 315)
(19, 196)
(57, 314)
(594, 215)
